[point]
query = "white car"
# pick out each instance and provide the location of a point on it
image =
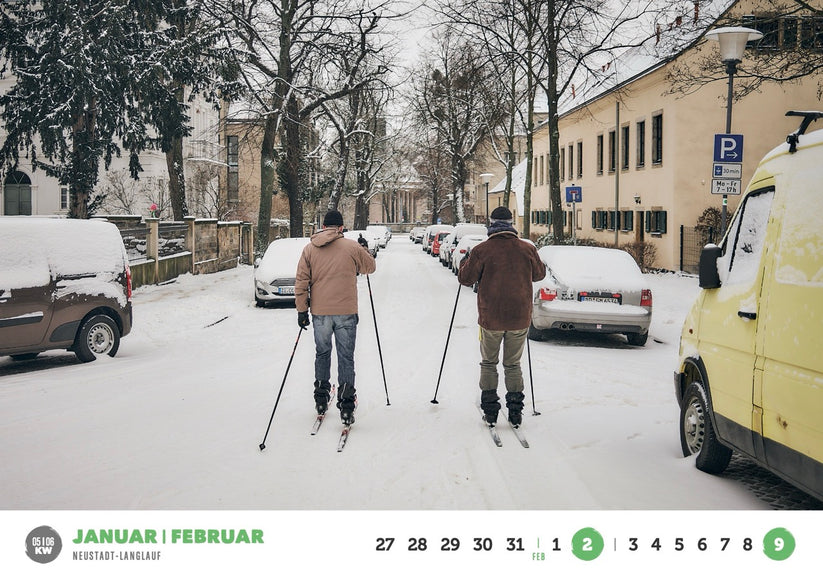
(463, 248)
(416, 234)
(451, 241)
(591, 289)
(381, 232)
(369, 236)
(274, 272)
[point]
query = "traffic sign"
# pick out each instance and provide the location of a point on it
(574, 194)
(727, 171)
(728, 148)
(725, 186)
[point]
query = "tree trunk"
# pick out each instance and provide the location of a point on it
(290, 167)
(268, 162)
(177, 179)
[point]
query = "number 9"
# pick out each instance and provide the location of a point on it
(779, 544)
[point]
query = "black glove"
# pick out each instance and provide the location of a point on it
(303, 319)
(362, 241)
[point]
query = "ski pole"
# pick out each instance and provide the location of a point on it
(379, 350)
(276, 402)
(531, 376)
(451, 323)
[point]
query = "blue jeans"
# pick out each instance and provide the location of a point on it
(344, 330)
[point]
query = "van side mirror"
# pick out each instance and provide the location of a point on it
(709, 277)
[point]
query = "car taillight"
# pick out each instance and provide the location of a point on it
(547, 294)
(128, 282)
(462, 251)
(646, 298)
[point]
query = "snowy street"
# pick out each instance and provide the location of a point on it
(175, 420)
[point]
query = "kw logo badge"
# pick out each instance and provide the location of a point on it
(43, 545)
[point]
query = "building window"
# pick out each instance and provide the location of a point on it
(612, 152)
(786, 32)
(571, 161)
(580, 159)
(657, 139)
(656, 221)
(599, 154)
(64, 196)
(627, 220)
(562, 164)
(542, 168)
(624, 147)
(641, 143)
(232, 178)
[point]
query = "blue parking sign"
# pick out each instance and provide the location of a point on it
(728, 148)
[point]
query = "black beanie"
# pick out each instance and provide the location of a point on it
(501, 214)
(333, 218)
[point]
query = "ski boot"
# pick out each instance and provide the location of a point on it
(347, 402)
(490, 405)
(514, 402)
(322, 395)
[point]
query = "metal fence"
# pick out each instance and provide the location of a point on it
(692, 241)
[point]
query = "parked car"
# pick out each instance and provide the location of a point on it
(749, 373)
(381, 233)
(461, 229)
(370, 237)
(591, 289)
(429, 234)
(438, 239)
(416, 234)
(64, 284)
(274, 272)
(463, 248)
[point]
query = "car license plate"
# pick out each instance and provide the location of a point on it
(285, 291)
(602, 298)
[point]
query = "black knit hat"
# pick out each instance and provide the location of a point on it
(501, 214)
(333, 218)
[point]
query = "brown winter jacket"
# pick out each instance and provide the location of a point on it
(504, 267)
(327, 270)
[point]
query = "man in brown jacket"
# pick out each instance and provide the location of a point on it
(504, 267)
(327, 273)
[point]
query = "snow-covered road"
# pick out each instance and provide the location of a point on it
(175, 420)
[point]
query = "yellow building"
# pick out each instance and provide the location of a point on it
(650, 153)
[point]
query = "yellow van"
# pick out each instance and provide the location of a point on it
(750, 370)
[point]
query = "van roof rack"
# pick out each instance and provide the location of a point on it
(808, 118)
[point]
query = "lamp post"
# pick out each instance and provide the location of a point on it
(486, 177)
(732, 41)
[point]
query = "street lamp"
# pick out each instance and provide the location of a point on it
(486, 177)
(733, 40)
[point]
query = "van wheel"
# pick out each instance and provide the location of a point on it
(637, 339)
(697, 435)
(98, 335)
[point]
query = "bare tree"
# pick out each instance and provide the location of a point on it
(453, 96)
(788, 52)
(298, 55)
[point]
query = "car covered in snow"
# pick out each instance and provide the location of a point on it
(416, 234)
(451, 241)
(64, 284)
(463, 248)
(274, 272)
(591, 289)
(370, 236)
(382, 233)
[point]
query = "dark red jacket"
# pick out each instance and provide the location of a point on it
(504, 267)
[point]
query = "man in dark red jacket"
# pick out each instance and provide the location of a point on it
(504, 267)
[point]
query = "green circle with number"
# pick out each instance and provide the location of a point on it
(778, 544)
(587, 544)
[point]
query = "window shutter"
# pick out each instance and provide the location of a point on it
(661, 224)
(594, 219)
(648, 220)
